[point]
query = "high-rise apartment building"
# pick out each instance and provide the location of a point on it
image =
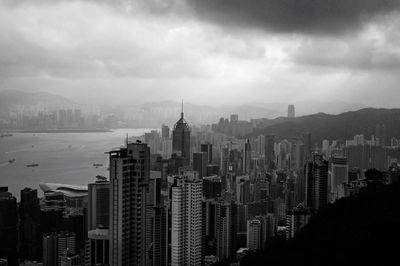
(56, 246)
(98, 249)
(340, 173)
(226, 230)
(298, 156)
(269, 151)
(29, 226)
(296, 219)
(246, 158)
(164, 131)
(186, 219)
(99, 204)
(200, 163)
(234, 118)
(316, 178)
(207, 148)
(380, 134)
(129, 181)
(8, 227)
(254, 234)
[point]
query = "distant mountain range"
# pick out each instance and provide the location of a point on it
(168, 111)
(10, 99)
(152, 115)
(343, 126)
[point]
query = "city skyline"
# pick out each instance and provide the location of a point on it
(197, 196)
(199, 132)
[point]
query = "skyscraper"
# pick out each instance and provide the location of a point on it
(164, 131)
(269, 151)
(212, 187)
(243, 189)
(226, 230)
(50, 256)
(99, 204)
(291, 111)
(98, 247)
(186, 217)
(296, 219)
(246, 158)
(200, 163)
(207, 148)
(234, 118)
(308, 145)
(380, 134)
(254, 234)
(155, 216)
(129, 181)
(8, 226)
(181, 139)
(316, 178)
(56, 246)
(29, 226)
(298, 156)
(340, 174)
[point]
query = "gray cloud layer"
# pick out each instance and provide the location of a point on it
(159, 49)
(292, 16)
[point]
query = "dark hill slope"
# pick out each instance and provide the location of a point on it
(359, 230)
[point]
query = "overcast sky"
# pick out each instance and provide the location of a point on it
(205, 51)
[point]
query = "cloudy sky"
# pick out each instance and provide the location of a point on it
(205, 51)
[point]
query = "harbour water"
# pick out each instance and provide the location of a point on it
(66, 158)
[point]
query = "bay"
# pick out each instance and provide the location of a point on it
(65, 158)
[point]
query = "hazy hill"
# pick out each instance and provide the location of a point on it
(342, 126)
(12, 98)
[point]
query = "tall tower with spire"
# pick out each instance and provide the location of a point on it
(181, 139)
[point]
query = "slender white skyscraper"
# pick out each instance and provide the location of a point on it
(186, 219)
(129, 181)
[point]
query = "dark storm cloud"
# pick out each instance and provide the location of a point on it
(291, 16)
(360, 57)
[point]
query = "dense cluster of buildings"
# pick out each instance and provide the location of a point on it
(60, 119)
(193, 197)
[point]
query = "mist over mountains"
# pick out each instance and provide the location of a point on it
(12, 98)
(166, 112)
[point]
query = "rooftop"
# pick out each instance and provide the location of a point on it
(71, 191)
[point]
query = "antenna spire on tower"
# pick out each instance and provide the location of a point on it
(182, 109)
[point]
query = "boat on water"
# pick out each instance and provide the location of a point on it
(101, 178)
(97, 164)
(12, 160)
(32, 165)
(3, 135)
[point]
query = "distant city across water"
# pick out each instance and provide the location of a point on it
(26, 159)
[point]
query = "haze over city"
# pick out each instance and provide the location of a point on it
(207, 52)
